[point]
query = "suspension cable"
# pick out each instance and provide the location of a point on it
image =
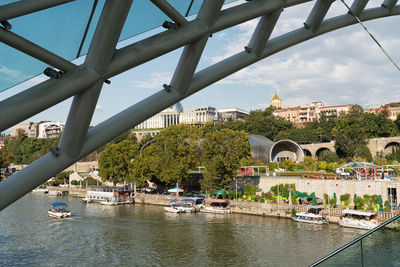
(370, 34)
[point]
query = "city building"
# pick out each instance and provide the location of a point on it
(42, 129)
(232, 114)
(313, 112)
(276, 101)
(176, 115)
(393, 110)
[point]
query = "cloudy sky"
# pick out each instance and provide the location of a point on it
(341, 67)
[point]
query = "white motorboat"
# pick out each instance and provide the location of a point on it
(312, 215)
(59, 210)
(173, 207)
(359, 219)
(218, 206)
(41, 190)
(108, 195)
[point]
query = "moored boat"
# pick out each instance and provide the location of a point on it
(312, 215)
(108, 195)
(173, 207)
(43, 190)
(219, 206)
(359, 219)
(59, 210)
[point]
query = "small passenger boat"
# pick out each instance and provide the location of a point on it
(219, 206)
(359, 219)
(173, 207)
(312, 215)
(59, 210)
(43, 190)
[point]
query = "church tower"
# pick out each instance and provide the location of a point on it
(276, 101)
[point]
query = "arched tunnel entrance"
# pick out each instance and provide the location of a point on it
(286, 149)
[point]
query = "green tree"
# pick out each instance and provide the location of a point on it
(115, 161)
(328, 156)
(222, 152)
(397, 122)
(345, 198)
(321, 165)
(358, 203)
(171, 157)
(5, 158)
(309, 163)
(349, 134)
(266, 124)
(272, 166)
(288, 164)
(283, 189)
(331, 167)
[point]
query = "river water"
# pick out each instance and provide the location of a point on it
(144, 235)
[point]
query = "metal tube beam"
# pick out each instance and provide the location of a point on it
(20, 8)
(170, 11)
(41, 170)
(35, 51)
(358, 6)
(389, 4)
(101, 49)
(263, 31)
(192, 52)
(317, 14)
(145, 50)
(134, 55)
(44, 95)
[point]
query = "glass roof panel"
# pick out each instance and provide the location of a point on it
(60, 30)
(52, 29)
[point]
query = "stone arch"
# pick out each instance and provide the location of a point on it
(286, 149)
(307, 152)
(320, 150)
(389, 146)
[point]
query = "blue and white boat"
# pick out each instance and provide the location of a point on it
(59, 210)
(359, 219)
(312, 215)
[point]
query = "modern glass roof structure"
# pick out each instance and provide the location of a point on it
(45, 35)
(67, 30)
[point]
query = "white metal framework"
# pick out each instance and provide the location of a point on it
(103, 61)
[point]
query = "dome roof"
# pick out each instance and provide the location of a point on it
(178, 106)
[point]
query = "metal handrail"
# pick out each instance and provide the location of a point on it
(355, 240)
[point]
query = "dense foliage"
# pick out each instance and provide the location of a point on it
(222, 152)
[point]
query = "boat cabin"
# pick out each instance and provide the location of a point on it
(359, 215)
(315, 209)
(97, 193)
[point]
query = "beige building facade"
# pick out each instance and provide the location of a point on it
(389, 190)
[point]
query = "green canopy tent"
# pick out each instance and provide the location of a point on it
(299, 195)
(354, 199)
(380, 203)
(334, 196)
(221, 192)
(313, 199)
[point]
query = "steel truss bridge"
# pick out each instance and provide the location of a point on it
(103, 61)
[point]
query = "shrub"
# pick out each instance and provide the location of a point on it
(321, 165)
(326, 199)
(250, 190)
(345, 198)
(359, 202)
(332, 202)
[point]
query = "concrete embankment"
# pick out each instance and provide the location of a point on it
(257, 208)
(242, 207)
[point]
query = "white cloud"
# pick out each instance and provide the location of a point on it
(12, 75)
(99, 107)
(344, 66)
(155, 81)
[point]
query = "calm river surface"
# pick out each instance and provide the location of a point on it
(143, 235)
